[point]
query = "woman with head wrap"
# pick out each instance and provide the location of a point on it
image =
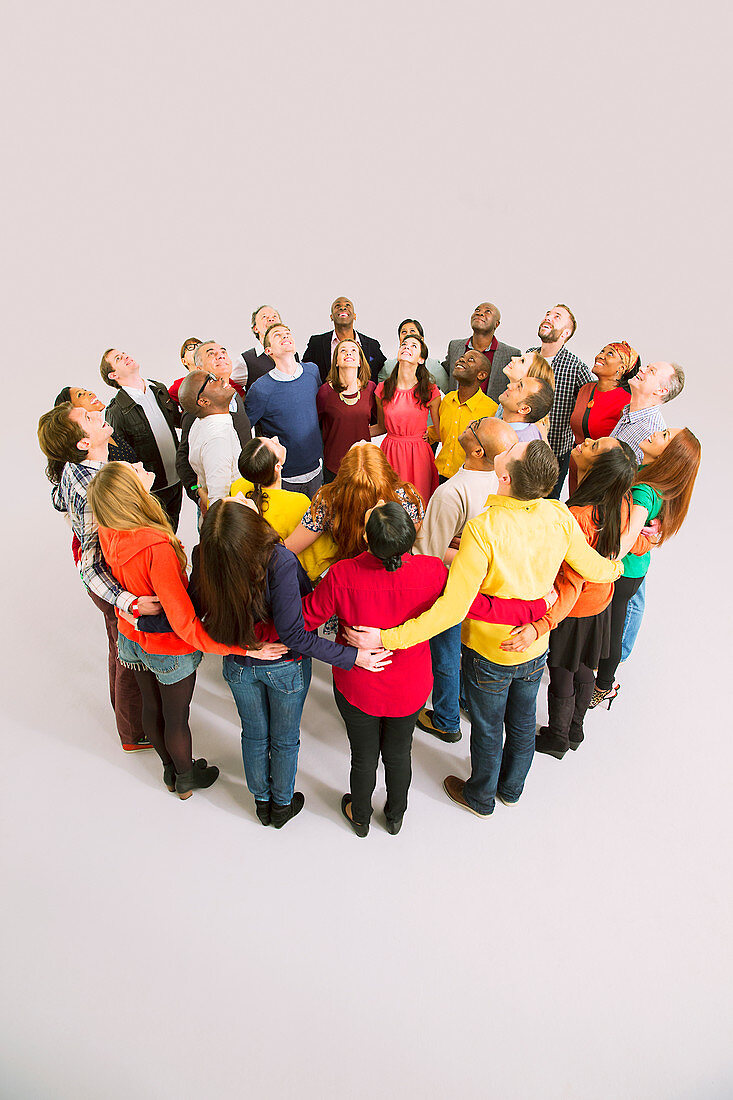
(599, 405)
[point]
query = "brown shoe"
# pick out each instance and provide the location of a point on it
(453, 787)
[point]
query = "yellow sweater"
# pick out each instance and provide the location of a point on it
(454, 418)
(512, 549)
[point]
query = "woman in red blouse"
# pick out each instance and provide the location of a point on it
(599, 405)
(346, 405)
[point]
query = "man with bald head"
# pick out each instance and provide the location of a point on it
(485, 320)
(452, 505)
(321, 347)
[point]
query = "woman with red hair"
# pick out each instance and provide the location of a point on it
(333, 527)
(662, 491)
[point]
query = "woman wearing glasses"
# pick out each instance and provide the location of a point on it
(188, 347)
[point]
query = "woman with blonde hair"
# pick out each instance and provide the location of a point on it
(333, 528)
(531, 365)
(142, 551)
(346, 406)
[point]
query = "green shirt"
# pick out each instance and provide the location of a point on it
(636, 565)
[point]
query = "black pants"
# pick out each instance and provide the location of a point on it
(624, 589)
(563, 462)
(369, 736)
(171, 499)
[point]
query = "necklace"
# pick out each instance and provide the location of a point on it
(350, 398)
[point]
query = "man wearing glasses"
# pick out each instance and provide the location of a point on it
(188, 347)
(458, 408)
(214, 429)
(144, 415)
(452, 505)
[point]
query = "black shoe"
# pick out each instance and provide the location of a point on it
(169, 776)
(550, 744)
(280, 815)
(360, 830)
(198, 778)
(263, 810)
(425, 722)
(393, 824)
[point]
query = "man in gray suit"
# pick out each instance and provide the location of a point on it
(485, 320)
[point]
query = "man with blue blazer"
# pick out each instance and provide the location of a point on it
(321, 348)
(485, 320)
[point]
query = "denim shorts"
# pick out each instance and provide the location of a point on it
(168, 668)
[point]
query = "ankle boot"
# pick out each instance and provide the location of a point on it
(263, 810)
(280, 815)
(583, 696)
(553, 738)
(197, 778)
(169, 776)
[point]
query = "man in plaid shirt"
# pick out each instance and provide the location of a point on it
(556, 328)
(66, 436)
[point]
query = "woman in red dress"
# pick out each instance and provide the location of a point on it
(403, 404)
(599, 405)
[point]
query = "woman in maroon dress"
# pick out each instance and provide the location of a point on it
(346, 405)
(599, 405)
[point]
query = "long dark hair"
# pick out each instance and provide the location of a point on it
(230, 571)
(63, 397)
(607, 486)
(257, 464)
(390, 533)
(424, 383)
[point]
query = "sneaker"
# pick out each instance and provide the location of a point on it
(505, 801)
(425, 722)
(453, 787)
(138, 746)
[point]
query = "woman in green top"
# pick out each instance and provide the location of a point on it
(662, 491)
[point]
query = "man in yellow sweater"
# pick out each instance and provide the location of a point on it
(512, 549)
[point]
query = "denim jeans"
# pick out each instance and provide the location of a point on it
(270, 701)
(499, 697)
(632, 623)
(445, 650)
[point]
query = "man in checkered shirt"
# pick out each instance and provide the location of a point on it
(556, 328)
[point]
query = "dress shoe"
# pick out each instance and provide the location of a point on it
(453, 787)
(138, 746)
(425, 722)
(360, 830)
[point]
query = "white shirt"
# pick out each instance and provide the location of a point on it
(145, 398)
(336, 340)
(452, 505)
(213, 451)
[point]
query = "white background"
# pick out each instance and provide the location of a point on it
(168, 168)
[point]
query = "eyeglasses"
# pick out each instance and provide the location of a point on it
(473, 426)
(209, 378)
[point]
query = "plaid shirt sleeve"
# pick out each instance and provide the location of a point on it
(94, 570)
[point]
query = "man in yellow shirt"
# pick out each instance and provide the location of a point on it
(512, 549)
(459, 408)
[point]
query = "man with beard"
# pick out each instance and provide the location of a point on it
(485, 320)
(556, 328)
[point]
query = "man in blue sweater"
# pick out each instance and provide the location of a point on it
(283, 403)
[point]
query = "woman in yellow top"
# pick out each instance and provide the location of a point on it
(261, 464)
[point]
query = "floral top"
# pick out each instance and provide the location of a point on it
(318, 520)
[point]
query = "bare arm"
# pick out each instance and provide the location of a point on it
(301, 539)
(637, 519)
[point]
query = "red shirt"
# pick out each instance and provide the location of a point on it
(343, 424)
(603, 415)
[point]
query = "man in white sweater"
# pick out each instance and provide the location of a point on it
(213, 445)
(452, 505)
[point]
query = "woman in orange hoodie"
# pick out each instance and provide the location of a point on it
(138, 542)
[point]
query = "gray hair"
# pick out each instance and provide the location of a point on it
(197, 353)
(676, 382)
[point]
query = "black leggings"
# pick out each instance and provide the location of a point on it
(369, 736)
(562, 681)
(165, 718)
(624, 589)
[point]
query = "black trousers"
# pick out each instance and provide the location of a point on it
(369, 736)
(563, 462)
(171, 498)
(624, 589)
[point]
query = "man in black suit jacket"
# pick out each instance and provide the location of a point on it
(320, 348)
(144, 415)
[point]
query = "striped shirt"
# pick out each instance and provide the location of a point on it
(635, 426)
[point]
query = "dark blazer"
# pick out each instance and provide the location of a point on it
(186, 472)
(131, 426)
(319, 352)
(498, 381)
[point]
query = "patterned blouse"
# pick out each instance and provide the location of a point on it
(317, 519)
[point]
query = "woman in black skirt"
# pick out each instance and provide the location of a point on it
(580, 619)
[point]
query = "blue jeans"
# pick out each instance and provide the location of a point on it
(499, 697)
(270, 701)
(632, 623)
(445, 650)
